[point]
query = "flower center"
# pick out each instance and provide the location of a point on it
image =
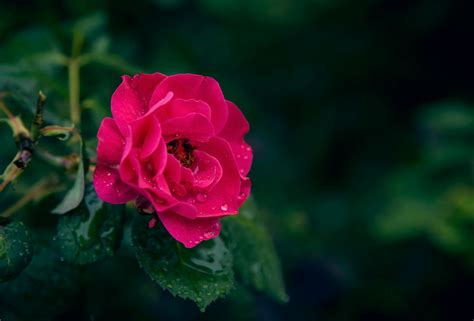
(182, 150)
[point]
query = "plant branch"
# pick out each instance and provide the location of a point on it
(74, 90)
(36, 192)
(24, 139)
(38, 119)
(66, 162)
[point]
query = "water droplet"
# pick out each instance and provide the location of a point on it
(248, 149)
(246, 157)
(201, 197)
(209, 235)
(238, 156)
(224, 207)
(241, 196)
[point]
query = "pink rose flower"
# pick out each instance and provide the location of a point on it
(176, 147)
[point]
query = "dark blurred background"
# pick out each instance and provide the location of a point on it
(362, 124)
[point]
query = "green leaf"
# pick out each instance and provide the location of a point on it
(201, 274)
(92, 25)
(109, 60)
(15, 250)
(91, 232)
(74, 196)
(45, 289)
(255, 259)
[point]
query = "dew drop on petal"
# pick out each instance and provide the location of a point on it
(216, 225)
(201, 197)
(224, 207)
(209, 235)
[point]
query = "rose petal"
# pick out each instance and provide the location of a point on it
(159, 157)
(163, 201)
(193, 126)
(160, 103)
(206, 170)
(146, 135)
(131, 99)
(129, 169)
(172, 171)
(234, 131)
(159, 194)
(244, 191)
(146, 84)
(184, 209)
(110, 188)
(190, 232)
(142, 174)
(221, 200)
(189, 86)
(181, 107)
(111, 143)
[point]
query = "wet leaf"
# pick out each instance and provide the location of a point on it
(255, 259)
(74, 196)
(15, 250)
(201, 274)
(91, 232)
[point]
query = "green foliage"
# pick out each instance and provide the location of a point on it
(44, 289)
(255, 258)
(15, 250)
(74, 196)
(91, 232)
(442, 212)
(201, 274)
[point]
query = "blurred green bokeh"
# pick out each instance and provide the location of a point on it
(362, 124)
